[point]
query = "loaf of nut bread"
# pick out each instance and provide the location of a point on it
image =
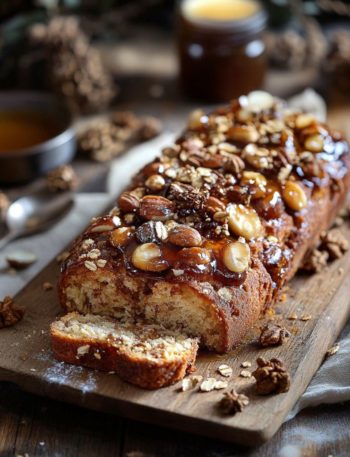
(207, 234)
(143, 354)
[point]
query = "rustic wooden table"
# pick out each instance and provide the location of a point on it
(33, 426)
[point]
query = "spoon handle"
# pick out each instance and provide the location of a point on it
(7, 238)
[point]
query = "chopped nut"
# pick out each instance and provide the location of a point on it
(225, 370)
(47, 286)
(185, 236)
(243, 134)
(232, 402)
(273, 335)
(244, 221)
(333, 350)
(293, 317)
(315, 261)
(305, 317)
(314, 143)
(245, 374)
(61, 179)
(236, 256)
(294, 196)
(21, 259)
(100, 228)
(234, 164)
(257, 157)
(304, 120)
(83, 350)
(271, 377)
(155, 182)
(10, 312)
(148, 257)
(120, 236)
(335, 243)
(213, 205)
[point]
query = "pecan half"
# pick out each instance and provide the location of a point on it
(128, 202)
(155, 207)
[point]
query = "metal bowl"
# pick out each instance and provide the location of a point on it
(26, 164)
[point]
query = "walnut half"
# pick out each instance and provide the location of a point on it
(10, 312)
(271, 377)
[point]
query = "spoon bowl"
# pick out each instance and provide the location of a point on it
(34, 213)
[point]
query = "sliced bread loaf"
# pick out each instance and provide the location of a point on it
(146, 355)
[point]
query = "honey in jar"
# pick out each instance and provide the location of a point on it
(24, 129)
(220, 46)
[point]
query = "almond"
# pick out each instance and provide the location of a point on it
(294, 196)
(185, 236)
(213, 205)
(155, 207)
(128, 202)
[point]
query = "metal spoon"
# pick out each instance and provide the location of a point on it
(34, 213)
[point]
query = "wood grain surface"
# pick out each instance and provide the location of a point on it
(26, 359)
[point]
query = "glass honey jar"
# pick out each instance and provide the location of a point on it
(221, 49)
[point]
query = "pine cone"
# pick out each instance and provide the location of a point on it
(75, 68)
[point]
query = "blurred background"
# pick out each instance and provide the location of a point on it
(148, 62)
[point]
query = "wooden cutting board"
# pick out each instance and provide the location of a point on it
(26, 359)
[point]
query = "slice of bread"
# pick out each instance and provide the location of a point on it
(146, 355)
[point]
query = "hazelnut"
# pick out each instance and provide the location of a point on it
(148, 257)
(257, 180)
(194, 257)
(294, 196)
(257, 157)
(243, 134)
(244, 221)
(155, 182)
(314, 143)
(213, 205)
(128, 202)
(120, 236)
(304, 120)
(196, 119)
(185, 236)
(236, 256)
(155, 207)
(153, 169)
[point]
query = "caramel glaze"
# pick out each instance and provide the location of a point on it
(282, 226)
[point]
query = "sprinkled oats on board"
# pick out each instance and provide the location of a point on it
(225, 370)
(246, 364)
(245, 374)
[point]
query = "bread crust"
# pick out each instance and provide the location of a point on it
(230, 307)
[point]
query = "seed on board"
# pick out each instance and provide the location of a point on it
(245, 374)
(225, 370)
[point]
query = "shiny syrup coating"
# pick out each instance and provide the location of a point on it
(201, 190)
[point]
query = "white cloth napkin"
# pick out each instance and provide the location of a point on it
(331, 383)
